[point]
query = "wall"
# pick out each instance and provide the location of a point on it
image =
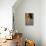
(6, 16)
(6, 13)
(29, 32)
(43, 22)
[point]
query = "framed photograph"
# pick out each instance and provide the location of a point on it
(28, 18)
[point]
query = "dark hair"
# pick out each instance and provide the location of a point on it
(30, 15)
(34, 44)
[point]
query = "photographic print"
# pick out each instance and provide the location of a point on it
(28, 18)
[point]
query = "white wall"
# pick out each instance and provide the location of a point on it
(6, 13)
(43, 22)
(31, 32)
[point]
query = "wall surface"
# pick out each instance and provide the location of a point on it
(6, 16)
(43, 22)
(30, 32)
(6, 13)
